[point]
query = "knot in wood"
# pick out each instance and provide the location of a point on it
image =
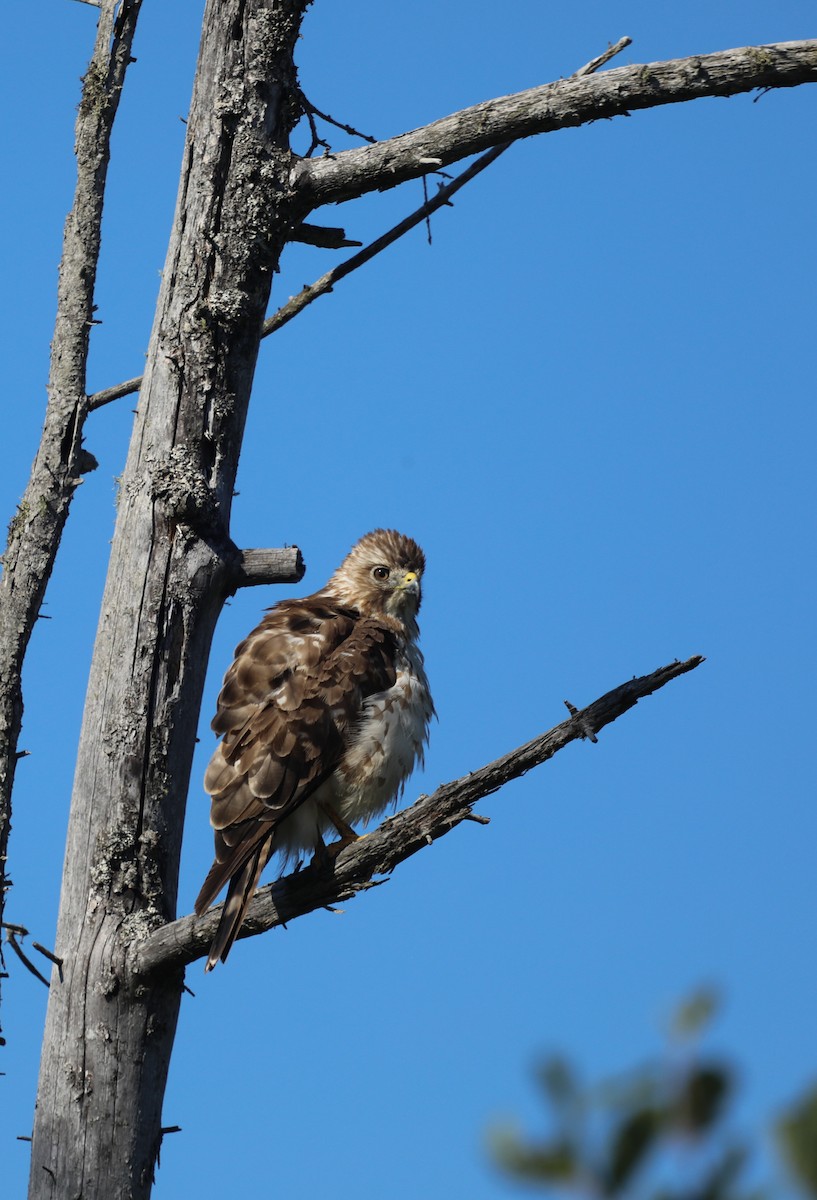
(180, 486)
(228, 306)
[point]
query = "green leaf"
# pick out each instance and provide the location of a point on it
(694, 1013)
(559, 1083)
(703, 1096)
(631, 1142)
(797, 1137)
(553, 1162)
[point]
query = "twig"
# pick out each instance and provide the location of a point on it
(162, 1134)
(317, 140)
(325, 236)
(310, 112)
(276, 565)
(98, 399)
(19, 930)
(564, 104)
(325, 283)
(12, 933)
(49, 954)
(595, 63)
(425, 202)
(350, 129)
(399, 837)
(587, 730)
(34, 535)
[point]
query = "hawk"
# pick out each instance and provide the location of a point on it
(323, 715)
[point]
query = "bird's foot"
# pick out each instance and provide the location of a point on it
(347, 834)
(324, 856)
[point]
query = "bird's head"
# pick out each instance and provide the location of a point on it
(381, 574)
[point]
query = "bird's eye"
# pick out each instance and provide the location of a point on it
(381, 572)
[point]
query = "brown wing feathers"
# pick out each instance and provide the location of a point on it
(292, 694)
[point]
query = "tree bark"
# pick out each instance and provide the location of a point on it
(564, 104)
(36, 530)
(107, 1043)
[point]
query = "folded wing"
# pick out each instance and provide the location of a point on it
(286, 710)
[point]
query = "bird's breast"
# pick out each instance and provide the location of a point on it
(387, 741)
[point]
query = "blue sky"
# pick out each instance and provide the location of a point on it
(592, 401)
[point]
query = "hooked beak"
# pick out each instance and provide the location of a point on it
(410, 583)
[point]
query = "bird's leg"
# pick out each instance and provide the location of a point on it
(347, 834)
(322, 856)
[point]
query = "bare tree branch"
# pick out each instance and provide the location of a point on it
(602, 59)
(12, 933)
(126, 388)
(256, 567)
(539, 110)
(310, 112)
(35, 532)
(328, 238)
(326, 283)
(561, 105)
(399, 837)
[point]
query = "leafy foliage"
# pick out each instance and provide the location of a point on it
(662, 1132)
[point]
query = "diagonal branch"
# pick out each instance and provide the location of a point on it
(324, 285)
(581, 99)
(35, 532)
(327, 281)
(12, 933)
(356, 868)
(565, 104)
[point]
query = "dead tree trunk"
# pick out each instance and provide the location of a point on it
(37, 526)
(107, 1042)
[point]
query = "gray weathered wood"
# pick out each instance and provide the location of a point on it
(560, 105)
(36, 529)
(564, 104)
(107, 1043)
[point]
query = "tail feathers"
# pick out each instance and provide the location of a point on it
(239, 894)
(230, 858)
(217, 876)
